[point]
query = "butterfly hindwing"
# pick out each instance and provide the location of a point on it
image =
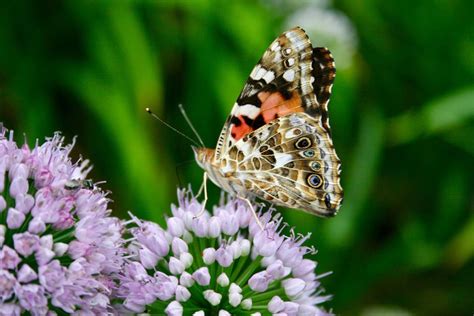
(291, 77)
(290, 161)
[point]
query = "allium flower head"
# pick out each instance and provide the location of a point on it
(57, 241)
(219, 264)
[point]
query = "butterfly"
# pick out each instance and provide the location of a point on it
(276, 143)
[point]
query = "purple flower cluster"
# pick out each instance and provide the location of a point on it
(221, 263)
(61, 251)
(58, 244)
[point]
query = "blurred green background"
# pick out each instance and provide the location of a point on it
(402, 114)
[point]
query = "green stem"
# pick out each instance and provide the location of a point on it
(249, 271)
(240, 264)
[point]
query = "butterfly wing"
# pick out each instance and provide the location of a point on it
(291, 77)
(291, 162)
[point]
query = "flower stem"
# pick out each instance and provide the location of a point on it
(244, 277)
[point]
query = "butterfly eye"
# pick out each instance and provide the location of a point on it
(314, 181)
(302, 143)
(308, 153)
(316, 166)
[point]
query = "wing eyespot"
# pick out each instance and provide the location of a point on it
(314, 181)
(314, 165)
(303, 143)
(309, 153)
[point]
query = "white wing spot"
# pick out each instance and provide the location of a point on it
(275, 46)
(248, 110)
(254, 71)
(282, 159)
(289, 75)
(292, 133)
(264, 134)
(291, 61)
(260, 73)
(295, 120)
(269, 76)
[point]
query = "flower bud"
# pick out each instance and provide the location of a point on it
(175, 226)
(291, 308)
(306, 266)
(214, 227)
(223, 280)
(200, 226)
(36, 226)
(293, 286)
(187, 259)
(148, 258)
(9, 259)
(60, 249)
(182, 294)
(26, 243)
(202, 276)
(18, 186)
(186, 279)
(174, 309)
(14, 218)
(209, 256)
(276, 270)
(244, 247)
(246, 304)
(259, 282)
(179, 246)
(26, 274)
(276, 305)
(176, 267)
(234, 288)
(212, 297)
(224, 256)
(235, 299)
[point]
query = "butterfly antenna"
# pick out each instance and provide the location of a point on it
(183, 112)
(171, 127)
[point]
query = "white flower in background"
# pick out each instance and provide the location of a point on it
(326, 26)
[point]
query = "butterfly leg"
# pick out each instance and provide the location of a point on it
(203, 188)
(253, 212)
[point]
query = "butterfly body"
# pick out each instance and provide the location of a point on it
(276, 144)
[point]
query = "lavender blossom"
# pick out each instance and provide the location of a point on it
(220, 264)
(57, 242)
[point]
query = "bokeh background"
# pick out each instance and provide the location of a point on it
(402, 114)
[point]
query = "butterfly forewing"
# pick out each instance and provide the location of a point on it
(292, 76)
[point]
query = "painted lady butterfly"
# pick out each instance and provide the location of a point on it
(276, 144)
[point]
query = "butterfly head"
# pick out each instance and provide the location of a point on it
(204, 156)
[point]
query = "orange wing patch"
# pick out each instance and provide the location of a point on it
(240, 128)
(275, 105)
